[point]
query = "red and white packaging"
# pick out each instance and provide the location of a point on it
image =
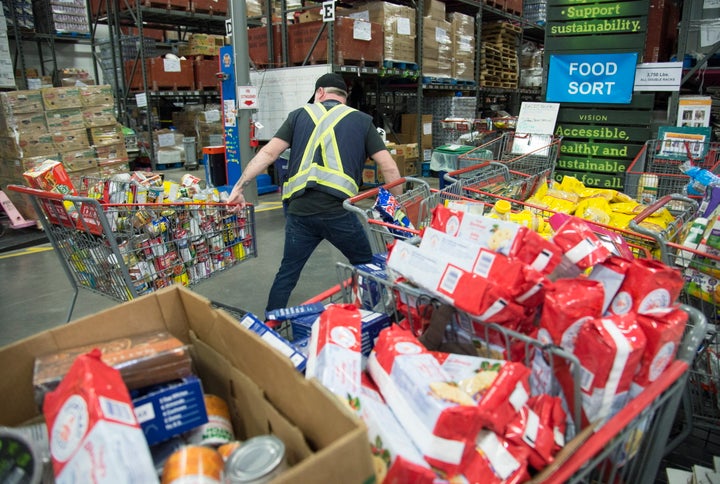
(611, 274)
(664, 329)
(335, 350)
(537, 252)
(490, 233)
(580, 245)
(496, 461)
(648, 285)
(94, 434)
(390, 444)
(569, 303)
(404, 371)
(551, 412)
(50, 176)
(609, 350)
(528, 430)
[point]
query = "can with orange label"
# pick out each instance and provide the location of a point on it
(194, 463)
(218, 430)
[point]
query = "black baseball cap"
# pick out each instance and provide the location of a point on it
(329, 80)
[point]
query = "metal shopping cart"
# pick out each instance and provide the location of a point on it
(530, 154)
(126, 250)
(655, 171)
(627, 448)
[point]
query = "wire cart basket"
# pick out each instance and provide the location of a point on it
(529, 154)
(629, 447)
(125, 250)
(655, 171)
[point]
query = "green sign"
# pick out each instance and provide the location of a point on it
(593, 164)
(596, 180)
(600, 44)
(598, 11)
(604, 26)
(616, 133)
(606, 150)
(604, 116)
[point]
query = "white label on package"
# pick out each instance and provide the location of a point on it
(465, 43)
(484, 264)
(166, 139)
(583, 249)
(427, 128)
(450, 279)
(117, 410)
(403, 26)
(145, 412)
(441, 36)
(361, 30)
(611, 281)
(171, 65)
(502, 461)
(531, 428)
(141, 99)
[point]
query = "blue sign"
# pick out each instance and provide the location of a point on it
(591, 78)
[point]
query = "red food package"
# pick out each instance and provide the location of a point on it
(487, 300)
(580, 245)
(551, 412)
(664, 330)
(609, 350)
(611, 273)
(537, 252)
(648, 285)
(532, 291)
(529, 430)
(508, 394)
(441, 424)
(496, 461)
(94, 434)
(402, 471)
(569, 303)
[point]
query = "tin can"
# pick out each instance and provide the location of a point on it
(157, 244)
(227, 449)
(22, 459)
(218, 430)
(193, 463)
(215, 242)
(258, 461)
(189, 180)
(140, 218)
(142, 244)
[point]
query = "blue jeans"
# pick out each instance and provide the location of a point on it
(302, 236)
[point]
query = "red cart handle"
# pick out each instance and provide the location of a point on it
(660, 204)
(35, 192)
(374, 191)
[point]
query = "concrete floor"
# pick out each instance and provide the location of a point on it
(36, 294)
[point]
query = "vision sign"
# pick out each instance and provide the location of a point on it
(591, 78)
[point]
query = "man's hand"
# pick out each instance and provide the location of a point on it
(236, 199)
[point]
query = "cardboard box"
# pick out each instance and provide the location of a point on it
(324, 441)
(21, 101)
(62, 119)
(114, 152)
(434, 9)
(52, 177)
(205, 71)
(349, 46)
(94, 116)
(162, 74)
(106, 135)
(272, 338)
(97, 95)
(22, 123)
(78, 160)
(34, 144)
(164, 411)
(69, 140)
(408, 123)
(398, 23)
(61, 98)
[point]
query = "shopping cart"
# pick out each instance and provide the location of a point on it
(529, 154)
(655, 171)
(627, 448)
(490, 178)
(126, 250)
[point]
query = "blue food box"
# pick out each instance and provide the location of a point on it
(169, 409)
(271, 337)
(371, 291)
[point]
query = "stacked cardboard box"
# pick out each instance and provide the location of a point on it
(202, 44)
(356, 42)
(61, 16)
(499, 56)
(67, 124)
(437, 41)
(463, 46)
(398, 24)
(7, 76)
(203, 123)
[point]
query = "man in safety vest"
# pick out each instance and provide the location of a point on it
(329, 143)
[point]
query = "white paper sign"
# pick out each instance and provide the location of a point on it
(537, 118)
(212, 116)
(247, 97)
(230, 113)
(658, 76)
(166, 139)
(171, 65)
(403, 25)
(441, 36)
(328, 11)
(361, 30)
(141, 99)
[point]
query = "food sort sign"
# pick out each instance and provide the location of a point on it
(591, 78)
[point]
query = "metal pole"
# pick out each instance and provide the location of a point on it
(238, 14)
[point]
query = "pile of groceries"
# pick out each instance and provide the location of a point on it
(131, 410)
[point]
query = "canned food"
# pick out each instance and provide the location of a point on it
(193, 463)
(258, 461)
(227, 449)
(189, 180)
(21, 459)
(218, 430)
(140, 218)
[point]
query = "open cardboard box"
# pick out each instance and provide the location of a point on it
(324, 441)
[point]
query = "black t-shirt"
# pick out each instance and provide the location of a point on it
(314, 201)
